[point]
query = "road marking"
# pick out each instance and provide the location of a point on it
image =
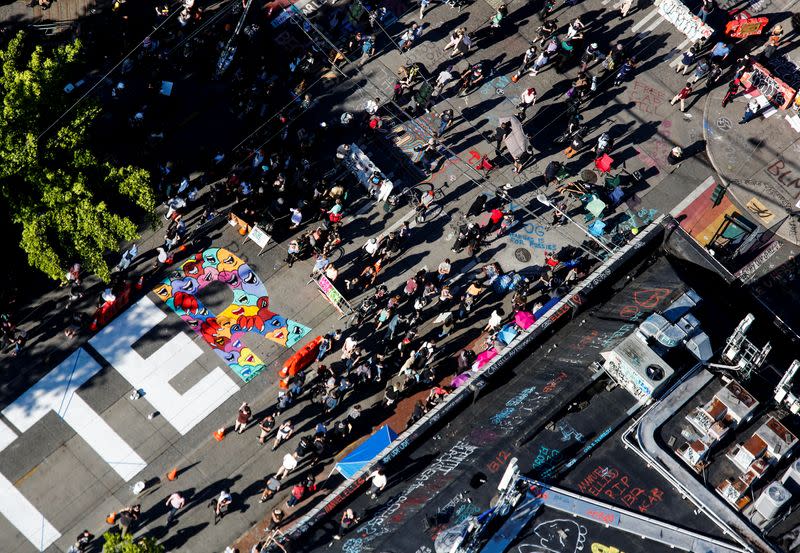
(57, 391)
(643, 21)
(655, 24)
(25, 517)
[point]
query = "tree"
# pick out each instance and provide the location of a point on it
(54, 186)
(117, 543)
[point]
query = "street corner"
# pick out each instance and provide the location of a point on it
(764, 180)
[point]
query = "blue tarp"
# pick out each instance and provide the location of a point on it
(366, 452)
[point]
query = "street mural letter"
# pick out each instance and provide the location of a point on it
(248, 312)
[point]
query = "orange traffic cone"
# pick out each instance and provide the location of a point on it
(111, 518)
(93, 325)
(173, 474)
(140, 282)
(219, 434)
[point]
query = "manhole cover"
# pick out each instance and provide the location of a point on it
(522, 255)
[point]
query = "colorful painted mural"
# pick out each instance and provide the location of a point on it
(248, 312)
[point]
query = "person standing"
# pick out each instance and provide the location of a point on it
(681, 96)
(367, 50)
(733, 90)
(348, 521)
(443, 270)
(175, 502)
(720, 51)
(706, 7)
(753, 108)
(242, 418)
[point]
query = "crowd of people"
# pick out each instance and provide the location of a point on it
(400, 344)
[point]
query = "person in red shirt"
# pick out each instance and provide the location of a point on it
(685, 92)
(495, 220)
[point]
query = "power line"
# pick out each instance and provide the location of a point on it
(106, 75)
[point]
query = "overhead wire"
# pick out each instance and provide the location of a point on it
(487, 185)
(106, 75)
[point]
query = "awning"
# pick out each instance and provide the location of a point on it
(366, 452)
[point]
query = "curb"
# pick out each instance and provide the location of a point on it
(573, 301)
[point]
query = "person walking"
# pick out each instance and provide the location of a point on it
(175, 502)
(443, 271)
(445, 120)
(379, 481)
(242, 418)
(272, 486)
(702, 69)
(221, 505)
(409, 37)
(733, 90)
(444, 77)
(626, 68)
(686, 61)
(527, 99)
(266, 426)
(288, 465)
(753, 109)
(720, 51)
(423, 5)
(527, 59)
(681, 96)
(284, 432)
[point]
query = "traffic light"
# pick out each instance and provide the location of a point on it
(718, 194)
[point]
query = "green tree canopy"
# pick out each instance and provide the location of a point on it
(116, 543)
(55, 187)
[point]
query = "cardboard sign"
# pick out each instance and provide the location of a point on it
(333, 295)
(775, 90)
(259, 236)
(743, 28)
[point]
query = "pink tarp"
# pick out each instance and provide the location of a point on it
(524, 319)
(484, 357)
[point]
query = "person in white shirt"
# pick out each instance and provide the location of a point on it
(528, 99)
(289, 464)
(378, 483)
(445, 76)
(495, 320)
(174, 502)
(371, 106)
(444, 269)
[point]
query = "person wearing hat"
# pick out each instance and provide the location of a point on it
(590, 55)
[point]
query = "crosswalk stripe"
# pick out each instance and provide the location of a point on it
(657, 22)
(643, 21)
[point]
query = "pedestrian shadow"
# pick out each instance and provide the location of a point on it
(180, 537)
